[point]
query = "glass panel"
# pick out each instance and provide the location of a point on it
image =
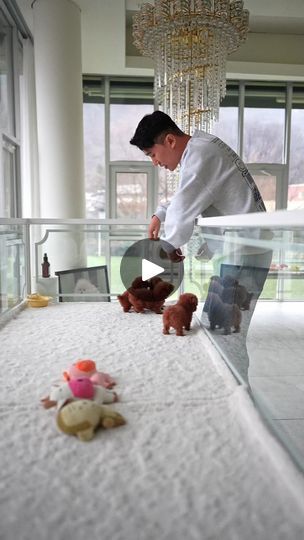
(267, 185)
(262, 342)
(131, 195)
(6, 81)
(94, 159)
(12, 266)
(118, 249)
(8, 181)
(296, 171)
(264, 117)
(123, 122)
(227, 126)
(78, 246)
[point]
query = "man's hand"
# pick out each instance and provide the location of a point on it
(154, 228)
(176, 256)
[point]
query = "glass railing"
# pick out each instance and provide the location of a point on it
(13, 239)
(84, 246)
(250, 274)
(247, 272)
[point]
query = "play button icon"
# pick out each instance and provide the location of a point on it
(149, 258)
(149, 269)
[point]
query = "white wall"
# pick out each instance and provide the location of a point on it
(104, 39)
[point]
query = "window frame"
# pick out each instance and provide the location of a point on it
(12, 136)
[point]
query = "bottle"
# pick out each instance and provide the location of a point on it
(45, 266)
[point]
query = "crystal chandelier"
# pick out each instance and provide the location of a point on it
(189, 41)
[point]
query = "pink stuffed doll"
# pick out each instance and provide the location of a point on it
(87, 369)
(76, 389)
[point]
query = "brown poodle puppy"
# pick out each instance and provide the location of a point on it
(143, 295)
(179, 316)
(123, 298)
(152, 299)
(124, 301)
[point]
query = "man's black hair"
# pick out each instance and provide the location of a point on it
(151, 127)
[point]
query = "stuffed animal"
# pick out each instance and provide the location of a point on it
(87, 369)
(179, 316)
(223, 315)
(141, 297)
(76, 389)
(83, 417)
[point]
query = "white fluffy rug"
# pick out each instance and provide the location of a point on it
(194, 462)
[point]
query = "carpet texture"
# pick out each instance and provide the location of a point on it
(190, 464)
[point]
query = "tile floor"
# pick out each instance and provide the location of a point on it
(273, 365)
(275, 345)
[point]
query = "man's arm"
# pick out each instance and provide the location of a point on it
(154, 227)
(202, 174)
(191, 199)
(156, 220)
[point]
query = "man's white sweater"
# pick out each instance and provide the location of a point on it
(214, 181)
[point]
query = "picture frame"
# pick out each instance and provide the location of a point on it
(88, 284)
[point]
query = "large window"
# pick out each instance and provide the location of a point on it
(129, 102)
(6, 77)
(94, 148)
(227, 126)
(264, 118)
(112, 109)
(253, 120)
(10, 71)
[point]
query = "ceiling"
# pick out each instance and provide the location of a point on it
(266, 16)
(274, 47)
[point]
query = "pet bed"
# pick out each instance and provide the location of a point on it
(188, 465)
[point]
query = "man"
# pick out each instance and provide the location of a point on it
(213, 179)
(213, 182)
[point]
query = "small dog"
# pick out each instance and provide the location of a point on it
(143, 295)
(123, 298)
(223, 315)
(234, 293)
(215, 286)
(124, 301)
(179, 316)
(152, 299)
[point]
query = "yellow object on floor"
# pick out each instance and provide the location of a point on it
(36, 300)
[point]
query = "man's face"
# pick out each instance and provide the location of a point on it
(164, 154)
